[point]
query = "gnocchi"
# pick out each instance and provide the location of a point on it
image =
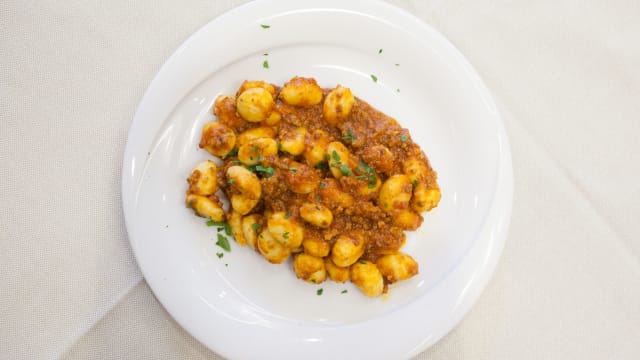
(318, 176)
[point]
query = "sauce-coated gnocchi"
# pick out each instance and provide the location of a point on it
(316, 175)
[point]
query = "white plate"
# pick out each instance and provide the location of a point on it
(240, 306)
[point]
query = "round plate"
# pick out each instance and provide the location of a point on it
(239, 305)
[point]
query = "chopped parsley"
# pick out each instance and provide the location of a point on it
(269, 171)
(287, 215)
(231, 181)
(285, 235)
(366, 173)
(223, 242)
(255, 148)
(265, 64)
(345, 170)
(215, 223)
(380, 51)
(397, 90)
(293, 169)
(349, 137)
(335, 155)
(343, 291)
(362, 262)
(374, 78)
(265, 26)
(265, 54)
(233, 152)
(323, 184)
(319, 292)
(219, 255)
(321, 166)
(397, 64)
(255, 226)
(403, 138)
(415, 182)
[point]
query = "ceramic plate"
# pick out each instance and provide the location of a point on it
(241, 306)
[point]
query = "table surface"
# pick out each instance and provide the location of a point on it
(564, 72)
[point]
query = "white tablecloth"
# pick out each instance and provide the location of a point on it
(567, 76)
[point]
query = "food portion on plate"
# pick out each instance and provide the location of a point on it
(316, 175)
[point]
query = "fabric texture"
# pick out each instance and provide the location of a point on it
(565, 74)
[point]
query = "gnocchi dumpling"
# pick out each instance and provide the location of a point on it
(292, 142)
(255, 104)
(309, 268)
(255, 133)
(424, 198)
(395, 193)
(272, 249)
(330, 192)
(366, 276)
(257, 150)
(206, 206)
(339, 158)
(301, 91)
(300, 178)
(203, 179)
(249, 84)
(235, 223)
(316, 214)
(217, 139)
(347, 249)
(251, 224)
(245, 189)
(336, 273)
(396, 267)
(337, 105)
(286, 229)
(316, 148)
(317, 247)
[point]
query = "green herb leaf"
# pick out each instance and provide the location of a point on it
(231, 181)
(255, 226)
(265, 54)
(343, 291)
(371, 185)
(255, 148)
(285, 235)
(323, 184)
(321, 166)
(265, 26)
(362, 262)
(335, 156)
(374, 78)
(227, 229)
(415, 182)
(319, 292)
(265, 64)
(287, 215)
(327, 157)
(380, 51)
(269, 171)
(397, 90)
(223, 242)
(403, 138)
(397, 64)
(349, 137)
(215, 223)
(233, 152)
(293, 169)
(219, 255)
(345, 170)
